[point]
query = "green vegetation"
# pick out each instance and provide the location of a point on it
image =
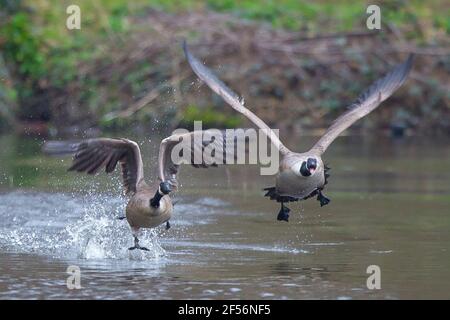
(22, 46)
(79, 76)
(210, 116)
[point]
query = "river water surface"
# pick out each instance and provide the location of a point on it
(390, 207)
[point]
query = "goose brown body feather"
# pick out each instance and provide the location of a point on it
(140, 215)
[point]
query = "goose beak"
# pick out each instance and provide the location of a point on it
(311, 165)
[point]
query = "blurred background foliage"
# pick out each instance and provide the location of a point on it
(297, 63)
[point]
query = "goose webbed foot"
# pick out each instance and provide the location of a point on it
(283, 215)
(322, 199)
(168, 225)
(137, 246)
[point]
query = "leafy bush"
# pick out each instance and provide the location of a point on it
(22, 47)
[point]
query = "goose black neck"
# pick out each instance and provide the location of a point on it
(154, 202)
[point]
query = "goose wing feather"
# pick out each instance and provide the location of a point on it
(369, 100)
(92, 155)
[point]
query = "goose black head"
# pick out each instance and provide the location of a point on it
(308, 167)
(164, 188)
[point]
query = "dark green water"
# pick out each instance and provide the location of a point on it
(390, 207)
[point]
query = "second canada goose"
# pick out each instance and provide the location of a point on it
(304, 175)
(148, 206)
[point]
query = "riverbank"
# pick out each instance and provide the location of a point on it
(125, 67)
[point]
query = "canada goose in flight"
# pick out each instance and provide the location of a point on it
(303, 175)
(148, 206)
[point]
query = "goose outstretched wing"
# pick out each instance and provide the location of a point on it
(370, 99)
(205, 74)
(92, 155)
(201, 149)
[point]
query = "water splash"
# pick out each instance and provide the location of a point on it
(71, 227)
(104, 238)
